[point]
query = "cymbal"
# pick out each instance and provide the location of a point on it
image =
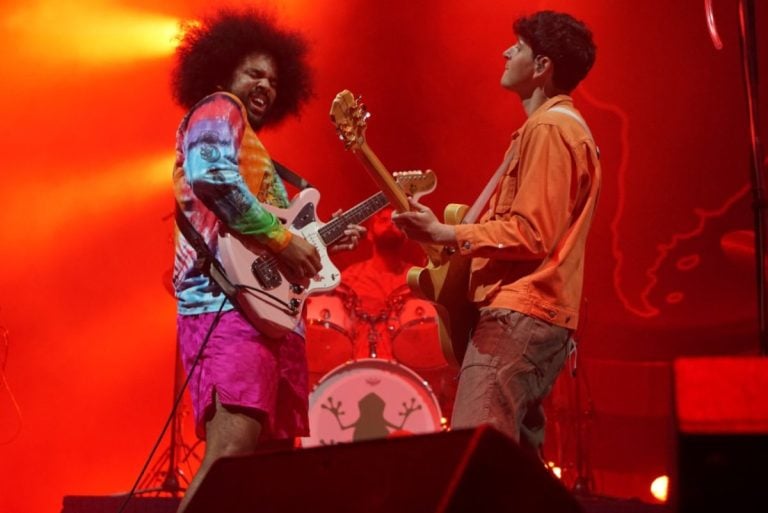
(738, 243)
(739, 246)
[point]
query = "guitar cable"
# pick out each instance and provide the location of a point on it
(286, 307)
(174, 408)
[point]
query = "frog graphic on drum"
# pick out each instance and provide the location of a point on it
(370, 398)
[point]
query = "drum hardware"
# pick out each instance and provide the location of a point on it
(373, 333)
(170, 474)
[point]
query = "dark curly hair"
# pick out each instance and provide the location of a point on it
(562, 38)
(210, 51)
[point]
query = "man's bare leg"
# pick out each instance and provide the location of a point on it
(228, 433)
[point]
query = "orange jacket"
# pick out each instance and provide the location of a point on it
(528, 248)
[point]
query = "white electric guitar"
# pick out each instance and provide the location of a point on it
(268, 300)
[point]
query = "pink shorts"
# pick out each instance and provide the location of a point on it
(245, 369)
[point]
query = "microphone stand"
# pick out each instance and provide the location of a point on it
(748, 43)
(749, 56)
(583, 484)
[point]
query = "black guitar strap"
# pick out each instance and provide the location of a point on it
(290, 176)
(206, 261)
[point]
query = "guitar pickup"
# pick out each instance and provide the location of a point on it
(266, 274)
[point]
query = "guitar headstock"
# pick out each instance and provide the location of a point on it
(416, 183)
(350, 117)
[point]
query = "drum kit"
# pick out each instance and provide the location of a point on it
(374, 374)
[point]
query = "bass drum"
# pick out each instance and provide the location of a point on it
(412, 327)
(330, 325)
(367, 399)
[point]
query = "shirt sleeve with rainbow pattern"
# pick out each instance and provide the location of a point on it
(212, 149)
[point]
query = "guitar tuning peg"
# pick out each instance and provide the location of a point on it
(361, 116)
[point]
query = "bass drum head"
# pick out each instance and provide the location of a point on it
(368, 399)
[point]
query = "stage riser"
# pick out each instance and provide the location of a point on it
(721, 413)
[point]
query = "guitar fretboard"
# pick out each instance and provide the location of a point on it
(334, 230)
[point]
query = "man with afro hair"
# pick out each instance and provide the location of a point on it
(236, 72)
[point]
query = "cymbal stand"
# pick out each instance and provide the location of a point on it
(168, 467)
(583, 484)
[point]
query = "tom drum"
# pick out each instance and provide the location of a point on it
(330, 325)
(412, 327)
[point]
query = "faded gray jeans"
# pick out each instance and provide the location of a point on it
(510, 366)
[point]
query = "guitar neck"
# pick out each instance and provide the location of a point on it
(334, 230)
(382, 177)
(393, 192)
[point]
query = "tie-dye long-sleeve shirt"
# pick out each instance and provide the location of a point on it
(222, 175)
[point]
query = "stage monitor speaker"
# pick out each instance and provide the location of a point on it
(112, 504)
(474, 471)
(721, 408)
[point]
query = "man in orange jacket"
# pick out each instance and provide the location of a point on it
(528, 248)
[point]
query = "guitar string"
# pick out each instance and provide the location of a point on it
(368, 207)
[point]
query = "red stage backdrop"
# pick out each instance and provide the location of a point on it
(88, 128)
